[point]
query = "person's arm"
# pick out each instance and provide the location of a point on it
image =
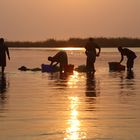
(98, 51)
(86, 52)
(55, 64)
(7, 51)
(97, 47)
(122, 57)
(51, 63)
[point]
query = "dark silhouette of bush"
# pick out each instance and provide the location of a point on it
(78, 42)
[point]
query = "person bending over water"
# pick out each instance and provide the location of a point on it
(130, 57)
(3, 51)
(91, 54)
(60, 58)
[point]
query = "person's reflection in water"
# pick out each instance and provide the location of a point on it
(130, 75)
(118, 75)
(64, 76)
(91, 92)
(90, 85)
(91, 89)
(126, 79)
(127, 85)
(3, 87)
(58, 76)
(130, 82)
(59, 80)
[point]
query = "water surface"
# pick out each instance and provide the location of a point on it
(43, 106)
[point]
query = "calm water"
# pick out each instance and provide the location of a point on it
(42, 106)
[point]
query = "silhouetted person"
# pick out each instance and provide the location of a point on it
(3, 51)
(130, 57)
(60, 58)
(91, 54)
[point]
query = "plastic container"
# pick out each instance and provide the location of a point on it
(116, 66)
(70, 68)
(47, 68)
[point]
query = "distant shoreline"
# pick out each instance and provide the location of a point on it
(76, 42)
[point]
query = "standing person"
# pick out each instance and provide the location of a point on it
(60, 58)
(3, 51)
(130, 57)
(91, 54)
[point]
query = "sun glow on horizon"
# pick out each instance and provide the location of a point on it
(71, 49)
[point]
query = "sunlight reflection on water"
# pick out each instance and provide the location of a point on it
(74, 131)
(38, 106)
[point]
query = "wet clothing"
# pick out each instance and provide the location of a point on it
(130, 57)
(91, 55)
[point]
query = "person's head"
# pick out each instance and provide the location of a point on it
(1, 40)
(50, 58)
(120, 49)
(91, 39)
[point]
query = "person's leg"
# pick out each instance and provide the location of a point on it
(61, 68)
(130, 63)
(65, 68)
(93, 68)
(3, 68)
(93, 64)
(88, 64)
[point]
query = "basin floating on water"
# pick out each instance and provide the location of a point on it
(49, 68)
(116, 66)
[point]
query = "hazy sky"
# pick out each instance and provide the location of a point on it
(37, 20)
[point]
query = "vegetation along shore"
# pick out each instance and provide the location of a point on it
(77, 42)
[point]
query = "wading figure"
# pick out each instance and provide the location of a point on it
(91, 54)
(60, 58)
(130, 57)
(3, 51)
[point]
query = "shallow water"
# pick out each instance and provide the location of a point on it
(42, 106)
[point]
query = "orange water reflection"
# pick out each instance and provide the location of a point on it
(73, 80)
(74, 131)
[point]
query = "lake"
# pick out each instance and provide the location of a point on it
(45, 106)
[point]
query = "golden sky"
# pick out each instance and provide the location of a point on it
(35, 20)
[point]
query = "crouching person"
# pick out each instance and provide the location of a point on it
(60, 58)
